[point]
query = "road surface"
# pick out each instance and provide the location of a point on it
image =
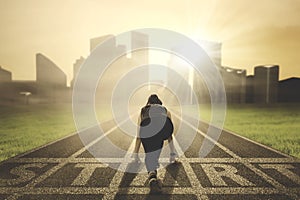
(236, 168)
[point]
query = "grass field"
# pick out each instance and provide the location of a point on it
(26, 127)
(277, 125)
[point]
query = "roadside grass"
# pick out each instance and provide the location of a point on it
(25, 127)
(276, 125)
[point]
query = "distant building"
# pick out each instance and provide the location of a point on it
(17, 91)
(76, 67)
(289, 90)
(48, 73)
(94, 42)
(51, 81)
(250, 89)
(266, 84)
(49, 87)
(235, 84)
(213, 50)
(187, 72)
(5, 76)
(140, 40)
(121, 49)
(121, 65)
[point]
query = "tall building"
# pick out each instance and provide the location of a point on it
(121, 49)
(94, 42)
(235, 84)
(48, 73)
(139, 40)
(76, 67)
(288, 90)
(184, 70)
(213, 50)
(250, 89)
(5, 76)
(195, 81)
(51, 81)
(120, 65)
(266, 84)
(141, 56)
(50, 85)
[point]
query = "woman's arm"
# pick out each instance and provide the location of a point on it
(171, 143)
(172, 150)
(137, 145)
(137, 141)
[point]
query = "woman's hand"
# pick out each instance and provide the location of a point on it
(172, 157)
(136, 158)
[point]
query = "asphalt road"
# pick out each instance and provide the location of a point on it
(235, 168)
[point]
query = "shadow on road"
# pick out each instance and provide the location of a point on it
(168, 182)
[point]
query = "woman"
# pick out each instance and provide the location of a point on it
(154, 126)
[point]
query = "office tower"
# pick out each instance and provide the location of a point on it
(94, 42)
(288, 90)
(76, 67)
(266, 84)
(48, 73)
(213, 50)
(235, 84)
(5, 76)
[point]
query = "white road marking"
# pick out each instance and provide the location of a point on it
(216, 177)
(284, 170)
(162, 160)
(115, 182)
(86, 172)
(62, 164)
(50, 143)
(267, 178)
(259, 144)
(110, 192)
(189, 171)
(23, 173)
(140, 190)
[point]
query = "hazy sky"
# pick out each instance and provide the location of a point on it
(253, 32)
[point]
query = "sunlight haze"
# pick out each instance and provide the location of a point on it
(252, 32)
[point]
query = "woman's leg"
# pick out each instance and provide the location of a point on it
(152, 148)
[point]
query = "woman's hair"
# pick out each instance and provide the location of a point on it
(153, 99)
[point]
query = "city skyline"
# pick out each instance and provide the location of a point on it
(266, 32)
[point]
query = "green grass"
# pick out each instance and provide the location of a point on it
(277, 125)
(25, 127)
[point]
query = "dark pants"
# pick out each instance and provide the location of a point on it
(153, 132)
(152, 142)
(152, 148)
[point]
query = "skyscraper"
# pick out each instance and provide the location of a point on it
(213, 50)
(48, 73)
(94, 42)
(235, 84)
(5, 76)
(139, 40)
(76, 67)
(266, 84)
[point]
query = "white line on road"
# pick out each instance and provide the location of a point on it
(110, 192)
(270, 180)
(162, 160)
(54, 169)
